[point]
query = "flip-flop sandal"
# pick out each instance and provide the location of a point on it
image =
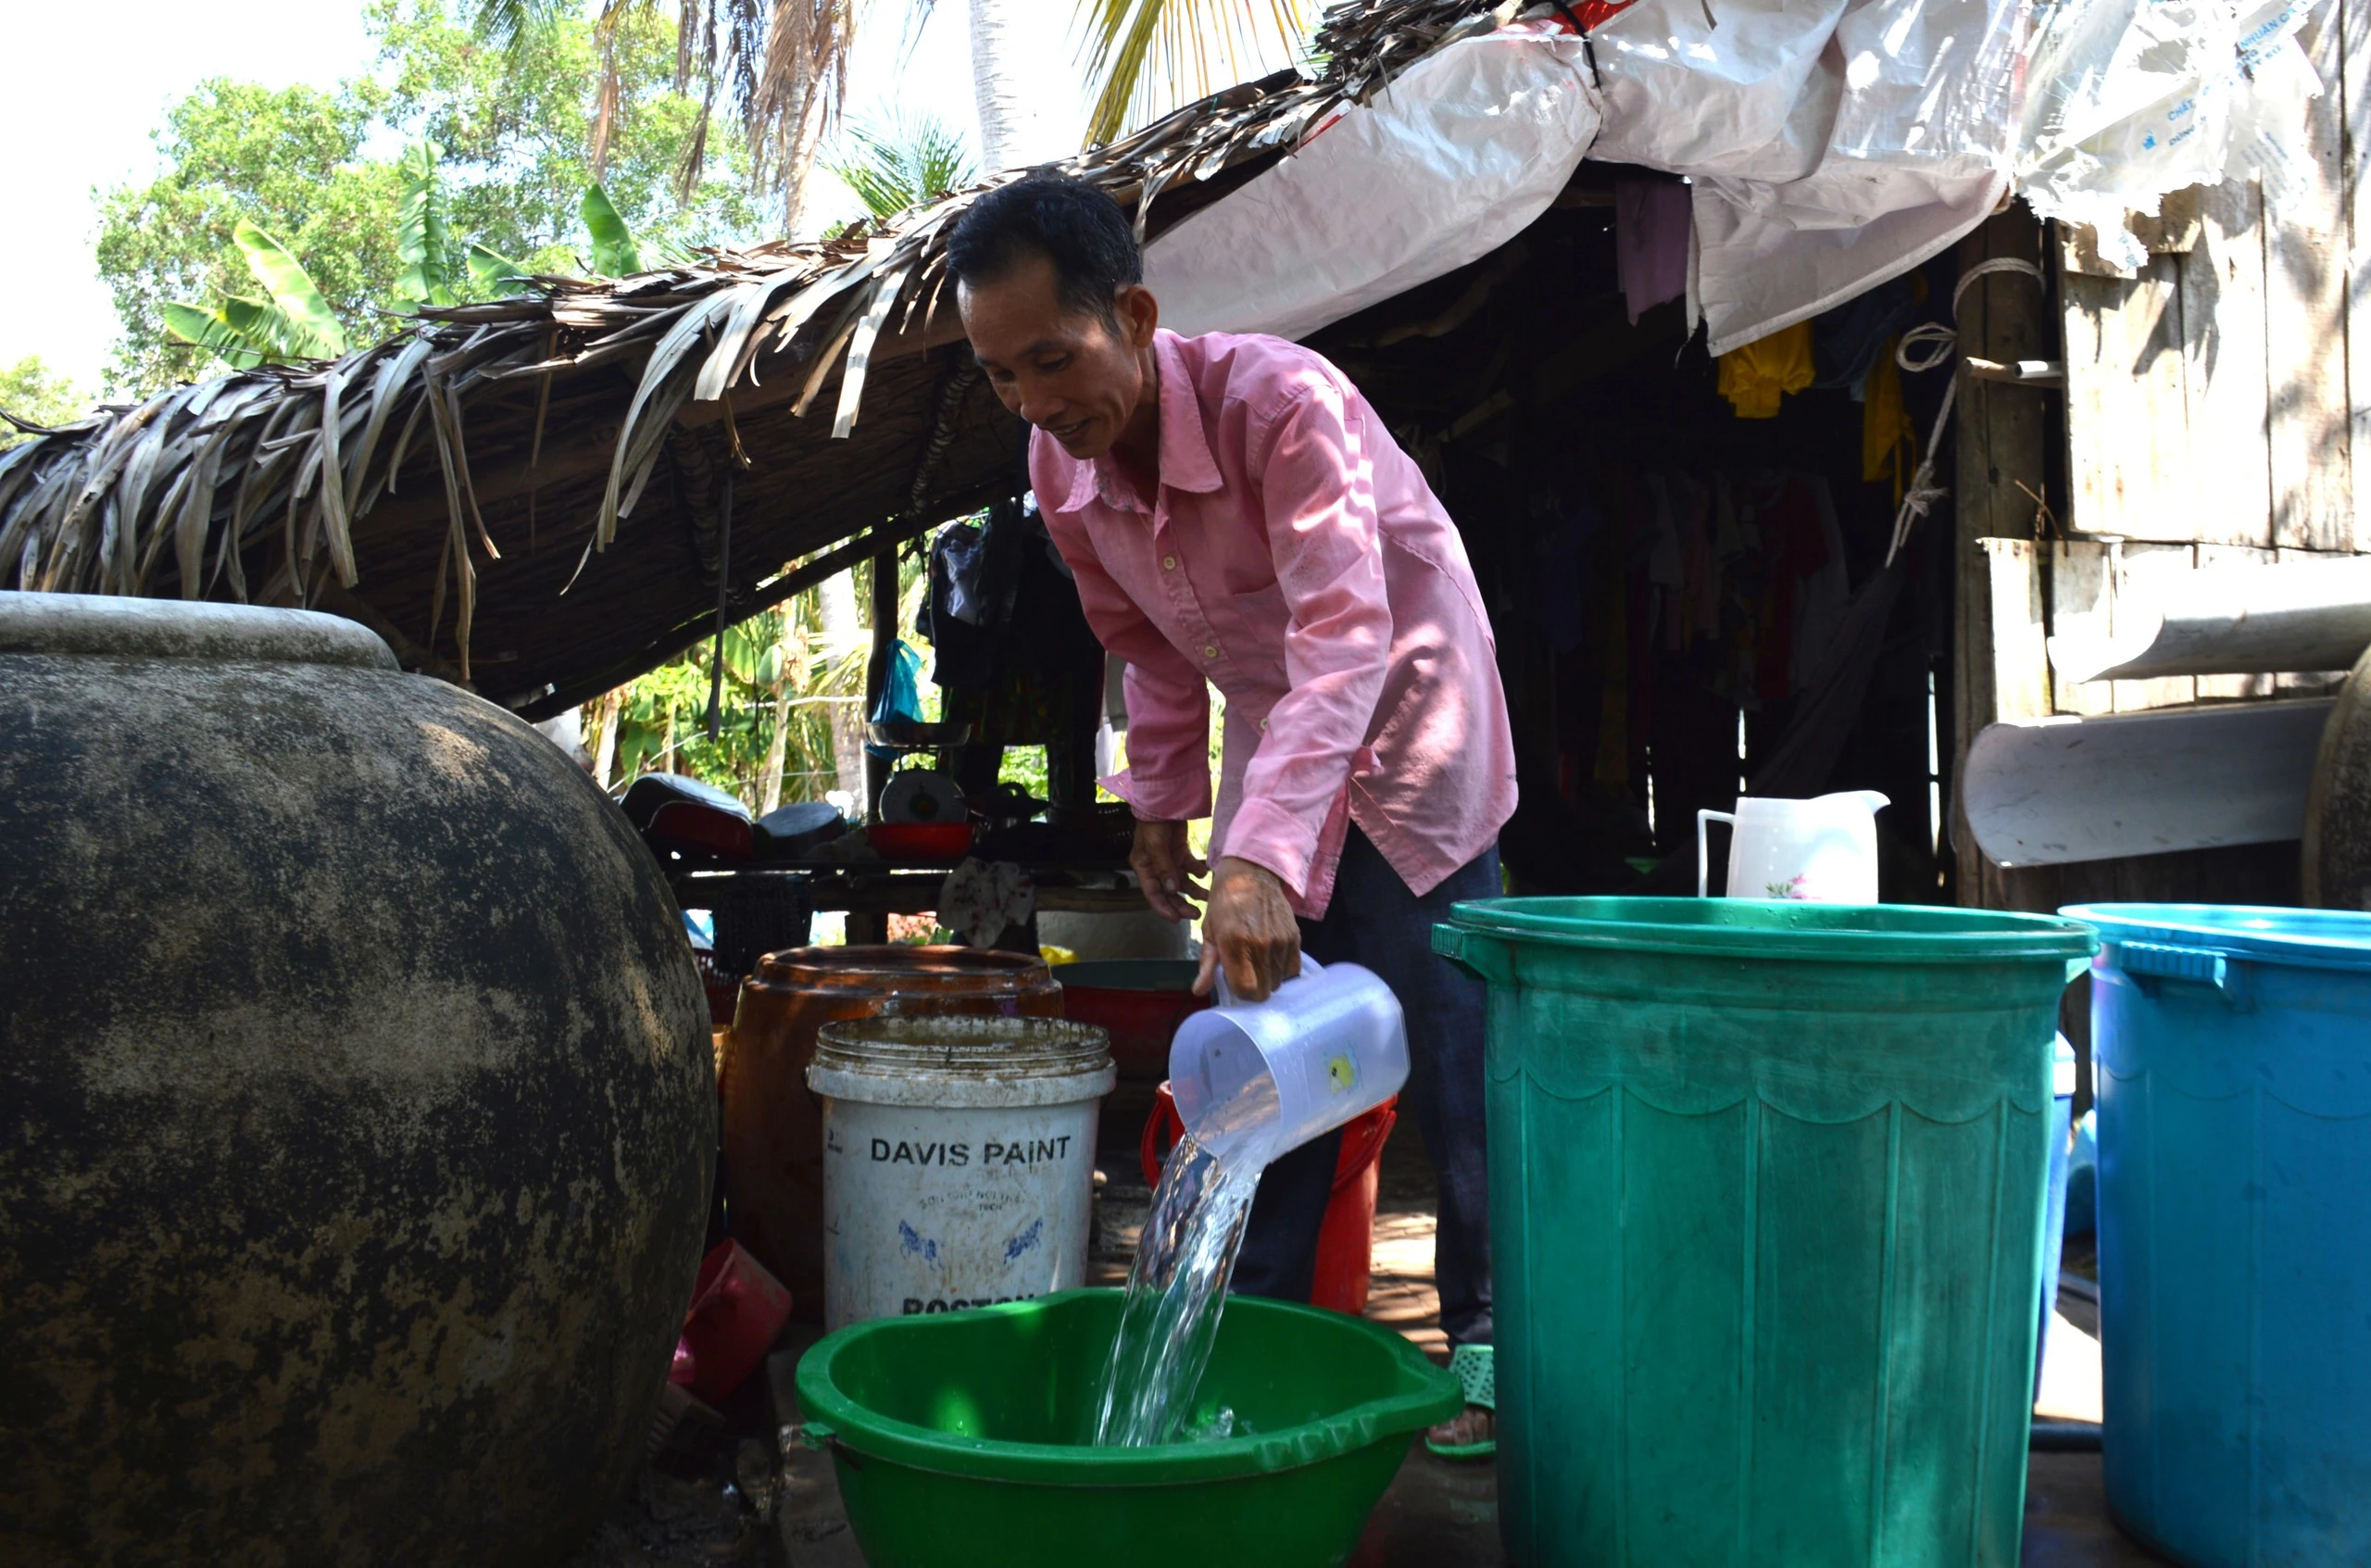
(1476, 1374)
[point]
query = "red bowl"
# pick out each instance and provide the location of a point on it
(1138, 1002)
(921, 841)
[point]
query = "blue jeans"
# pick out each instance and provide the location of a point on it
(1374, 921)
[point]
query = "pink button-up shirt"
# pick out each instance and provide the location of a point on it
(1295, 559)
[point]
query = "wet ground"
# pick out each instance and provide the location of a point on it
(738, 1503)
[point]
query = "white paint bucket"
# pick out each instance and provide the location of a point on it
(959, 1161)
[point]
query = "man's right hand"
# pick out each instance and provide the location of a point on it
(1166, 868)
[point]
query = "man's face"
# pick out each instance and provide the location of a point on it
(1072, 374)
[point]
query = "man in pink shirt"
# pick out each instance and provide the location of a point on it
(1235, 515)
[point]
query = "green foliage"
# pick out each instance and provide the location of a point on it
(662, 717)
(290, 321)
(516, 128)
(908, 162)
(39, 395)
(614, 255)
(286, 161)
(1145, 55)
(424, 238)
(237, 331)
(492, 276)
(373, 231)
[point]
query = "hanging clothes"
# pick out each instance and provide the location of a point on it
(975, 576)
(1755, 377)
(1667, 564)
(1852, 339)
(1826, 593)
(1889, 440)
(1796, 548)
(1653, 221)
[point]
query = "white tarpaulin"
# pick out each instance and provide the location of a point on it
(1745, 97)
(1887, 129)
(1446, 165)
(1832, 144)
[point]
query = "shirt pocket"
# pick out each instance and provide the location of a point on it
(1254, 624)
(1240, 548)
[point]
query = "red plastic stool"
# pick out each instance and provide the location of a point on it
(1346, 1240)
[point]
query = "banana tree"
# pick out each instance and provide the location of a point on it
(437, 271)
(422, 238)
(291, 321)
(615, 254)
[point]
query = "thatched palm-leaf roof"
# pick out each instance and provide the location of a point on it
(532, 494)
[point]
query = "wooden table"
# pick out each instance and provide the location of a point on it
(869, 891)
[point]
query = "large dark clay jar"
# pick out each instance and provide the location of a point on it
(357, 1104)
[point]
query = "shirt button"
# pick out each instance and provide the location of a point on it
(1169, 563)
(1210, 651)
(1263, 725)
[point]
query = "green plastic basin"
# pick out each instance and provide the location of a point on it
(959, 1440)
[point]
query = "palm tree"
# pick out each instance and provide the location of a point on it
(910, 160)
(784, 63)
(996, 80)
(1190, 47)
(1142, 56)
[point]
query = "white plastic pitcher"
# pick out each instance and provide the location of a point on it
(1818, 851)
(1258, 1080)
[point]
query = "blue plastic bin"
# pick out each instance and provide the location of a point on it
(2233, 1055)
(2053, 1223)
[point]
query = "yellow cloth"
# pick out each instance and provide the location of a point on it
(1885, 424)
(1756, 376)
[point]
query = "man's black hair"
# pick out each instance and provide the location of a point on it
(1084, 232)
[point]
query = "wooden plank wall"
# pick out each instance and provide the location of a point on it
(2207, 397)
(2216, 410)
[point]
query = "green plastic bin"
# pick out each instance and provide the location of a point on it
(1766, 1193)
(963, 1439)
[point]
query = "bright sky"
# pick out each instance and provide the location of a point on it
(82, 86)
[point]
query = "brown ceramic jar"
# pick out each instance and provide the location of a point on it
(773, 1124)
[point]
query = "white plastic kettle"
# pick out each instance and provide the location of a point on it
(1258, 1080)
(1819, 851)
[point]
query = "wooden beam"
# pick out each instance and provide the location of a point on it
(2020, 645)
(2306, 274)
(2001, 440)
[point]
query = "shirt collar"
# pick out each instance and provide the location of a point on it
(1186, 460)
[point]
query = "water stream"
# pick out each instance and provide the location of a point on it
(1176, 1290)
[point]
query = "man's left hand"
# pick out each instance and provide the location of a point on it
(1250, 929)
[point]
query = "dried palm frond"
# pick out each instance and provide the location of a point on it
(171, 493)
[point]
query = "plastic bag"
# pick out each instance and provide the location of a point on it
(2132, 99)
(901, 697)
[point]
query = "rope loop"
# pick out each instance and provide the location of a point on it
(1928, 347)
